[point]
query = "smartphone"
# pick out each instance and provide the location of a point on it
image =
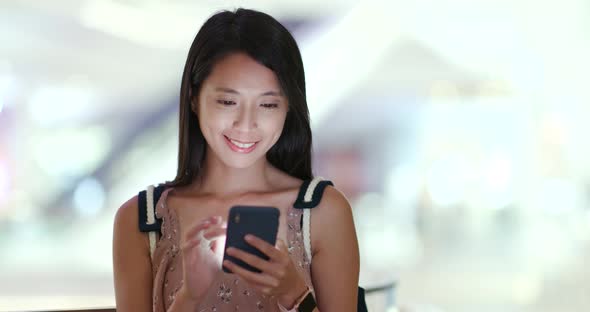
(260, 221)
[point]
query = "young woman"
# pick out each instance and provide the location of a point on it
(245, 139)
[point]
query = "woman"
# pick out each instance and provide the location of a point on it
(245, 139)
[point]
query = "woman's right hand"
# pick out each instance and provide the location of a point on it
(202, 252)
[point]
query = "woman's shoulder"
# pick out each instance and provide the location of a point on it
(331, 219)
(333, 200)
(128, 212)
(126, 224)
(127, 218)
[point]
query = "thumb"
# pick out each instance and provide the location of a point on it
(281, 245)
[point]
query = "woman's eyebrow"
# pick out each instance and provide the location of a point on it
(272, 93)
(226, 90)
(232, 91)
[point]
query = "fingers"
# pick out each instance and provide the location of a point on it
(216, 245)
(274, 266)
(213, 233)
(261, 280)
(266, 248)
(206, 230)
(193, 242)
(203, 224)
(278, 273)
(249, 258)
(282, 246)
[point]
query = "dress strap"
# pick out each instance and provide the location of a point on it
(148, 221)
(310, 195)
(311, 192)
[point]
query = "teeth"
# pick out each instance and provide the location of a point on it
(241, 145)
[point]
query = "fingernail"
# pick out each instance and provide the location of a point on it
(248, 237)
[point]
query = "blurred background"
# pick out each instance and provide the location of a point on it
(455, 128)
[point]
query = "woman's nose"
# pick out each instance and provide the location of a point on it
(245, 119)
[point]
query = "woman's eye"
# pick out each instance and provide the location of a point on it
(269, 105)
(226, 102)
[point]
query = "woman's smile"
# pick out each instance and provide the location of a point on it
(240, 147)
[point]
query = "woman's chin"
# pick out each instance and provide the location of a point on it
(239, 162)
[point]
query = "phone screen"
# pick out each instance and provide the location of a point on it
(260, 221)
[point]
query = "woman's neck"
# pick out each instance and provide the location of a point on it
(221, 180)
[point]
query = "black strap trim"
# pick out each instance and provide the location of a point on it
(299, 201)
(308, 303)
(142, 207)
(316, 197)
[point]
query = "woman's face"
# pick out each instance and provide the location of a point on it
(241, 110)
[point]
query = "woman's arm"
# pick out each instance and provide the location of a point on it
(131, 261)
(335, 265)
(133, 266)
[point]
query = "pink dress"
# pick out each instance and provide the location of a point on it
(228, 292)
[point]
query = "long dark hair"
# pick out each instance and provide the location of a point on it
(268, 42)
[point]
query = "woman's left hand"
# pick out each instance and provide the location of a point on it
(279, 276)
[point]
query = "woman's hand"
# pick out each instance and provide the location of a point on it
(201, 256)
(279, 276)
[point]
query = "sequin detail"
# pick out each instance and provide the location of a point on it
(224, 293)
(172, 295)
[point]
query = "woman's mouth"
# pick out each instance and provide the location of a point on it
(240, 147)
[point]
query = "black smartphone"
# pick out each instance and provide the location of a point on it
(260, 221)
